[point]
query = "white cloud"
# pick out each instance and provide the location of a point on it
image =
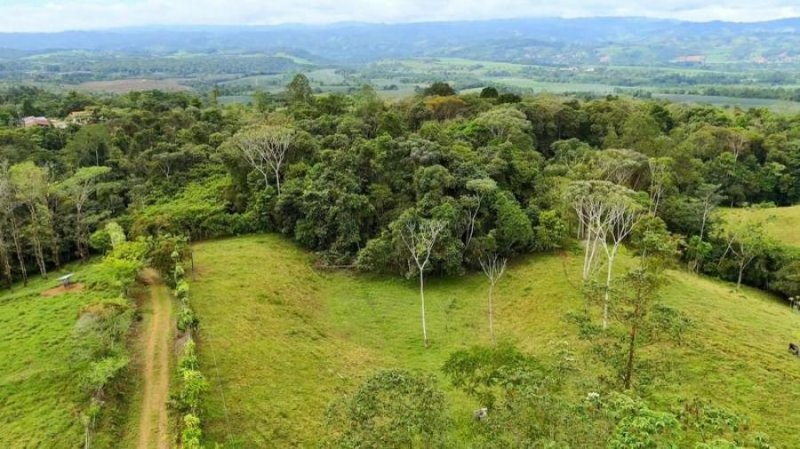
(55, 15)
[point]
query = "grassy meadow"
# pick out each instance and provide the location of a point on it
(280, 339)
(40, 390)
(780, 222)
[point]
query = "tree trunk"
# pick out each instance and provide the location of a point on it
(739, 280)
(491, 314)
(278, 181)
(5, 262)
(81, 241)
(607, 296)
(422, 300)
(38, 253)
(18, 248)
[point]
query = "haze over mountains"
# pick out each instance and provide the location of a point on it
(540, 41)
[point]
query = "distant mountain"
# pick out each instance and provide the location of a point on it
(540, 41)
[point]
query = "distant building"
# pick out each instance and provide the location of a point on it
(81, 117)
(690, 59)
(31, 122)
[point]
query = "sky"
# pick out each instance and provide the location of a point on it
(59, 15)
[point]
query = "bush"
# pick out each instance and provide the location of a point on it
(187, 319)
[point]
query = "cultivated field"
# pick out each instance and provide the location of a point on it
(281, 339)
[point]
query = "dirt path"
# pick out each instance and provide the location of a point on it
(153, 422)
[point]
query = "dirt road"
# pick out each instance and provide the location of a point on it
(153, 421)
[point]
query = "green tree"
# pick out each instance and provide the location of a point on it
(440, 89)
(79, 189)
(299, 90)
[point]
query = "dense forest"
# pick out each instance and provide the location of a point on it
(439, 184)
(339, 173)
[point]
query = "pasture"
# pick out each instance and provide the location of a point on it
(280, 339)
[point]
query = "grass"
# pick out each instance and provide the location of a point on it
(280, 340)
(781, 222)
(781, 106)
(40, 394)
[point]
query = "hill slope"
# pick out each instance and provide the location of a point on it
(781, 222)
(43, 346)
(281, 340)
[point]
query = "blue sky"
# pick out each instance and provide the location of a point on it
(57, 15)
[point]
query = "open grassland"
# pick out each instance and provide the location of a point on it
(40, 392)
(789, 107)
(782, 223)
(133, 85)
(280, 340)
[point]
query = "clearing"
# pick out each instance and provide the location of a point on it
(280, 340)
(781, 222)
(40, 393)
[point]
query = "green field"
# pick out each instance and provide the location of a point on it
(40, 386)
(279, 339)
(781, 222)
(775, 105)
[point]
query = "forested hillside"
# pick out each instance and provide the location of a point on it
(623, 191)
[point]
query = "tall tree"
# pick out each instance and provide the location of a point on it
(494, 269)
(419, 237)
(79, 189)
(8, 209)
(623, 215)
(745, 242)
(481, 188)
(265, 148)
(31, 189)
(299, 90)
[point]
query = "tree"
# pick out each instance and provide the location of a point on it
(494, 269)
(31, 186)
(481, 188)
(589, 199)
(445, 107)
(91, 145)
(513, 229)
(419, 237)
(623, 215)
(607, 214)
(745, 242)
(489, 92)
(660, 178)
(265, 149)
(439, 88)
(79, 189)
(502, 123)
(710, 198)
(299, 90)
(8, 207)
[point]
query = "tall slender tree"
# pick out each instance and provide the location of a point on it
(493, 268)
(419, 237)
(80, 188)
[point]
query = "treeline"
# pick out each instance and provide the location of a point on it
(343, 175)
(70, 67)
(774, 93)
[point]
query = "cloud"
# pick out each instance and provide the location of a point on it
(57, 15)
